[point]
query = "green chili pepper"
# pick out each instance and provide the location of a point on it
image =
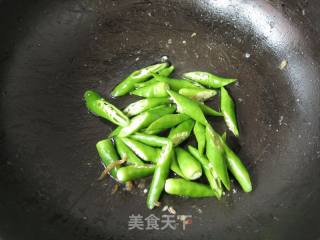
(143, 151)
(209, 111)
(216, 155)
(146, 83)
(224, 136)
(151, 140)
(126, 152)
(237, 168)
(181, 132)
(199, 132)
(160, 175)
(143, 105)
(188, 107)
(165, 122)
(144, 119)
(209, 171)
(137, 76)
(158, 89)
(227, 108)
(166, 72)
(108, 155)
(175, 166)
(208, 79)
(115, 132)
(100, 107)
(189, 166)
(185, 188)
(133, 172)
(175, 84)
(198, 94)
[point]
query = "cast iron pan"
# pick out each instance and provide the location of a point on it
(52, 51)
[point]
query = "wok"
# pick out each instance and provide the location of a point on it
(52, 51)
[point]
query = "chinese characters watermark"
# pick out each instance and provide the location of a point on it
(152, 222)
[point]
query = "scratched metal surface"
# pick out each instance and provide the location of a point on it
(52, 51)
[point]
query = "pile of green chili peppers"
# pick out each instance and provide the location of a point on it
(150, 132)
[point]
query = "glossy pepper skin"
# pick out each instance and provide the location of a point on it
(157, 89)
(208, 79)
(238, 169)
(216, 155)
(175, 166)
(144, 84)
(144, 105)
(189, 166)
(144, 119)
(160, 175)
(181, 132)
(228, 111)
(175, 84)
(188, 107)
(108, 154)
(126, 152)
(224, 136)
(134, 172)
(165, 122)
(156, 141)
(166, 72)
(198, 94)
(209, 171)
(185, 188)
(199, 132)
(208, 111)
(115, 132)
(145, 152)
(100, 107)
(137, 76)
(151, 140)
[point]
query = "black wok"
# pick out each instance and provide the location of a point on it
(52, 51)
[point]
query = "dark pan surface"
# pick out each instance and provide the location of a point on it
(52, 51)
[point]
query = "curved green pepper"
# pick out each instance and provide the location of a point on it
(165, 122)
(208, 79)
(188, 107)
(209, 171)
(145, 152)
(216, 155)
(158, 89)
(208, 111)
(199, 132)
(115, 132)
(144, 119)
(126, 152)
(185, 188)
(108, 154)
(224, 136)
(181, 132)
(198, 94)
(143, 105)
(137, 76)
(227, 108)
(189, 166)
(100, 107)
(238, 169)
(151, 140)
(175, 84)
(166, 72)
(175, 166)
(133, 172)
(146, 83)
(160, 175)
